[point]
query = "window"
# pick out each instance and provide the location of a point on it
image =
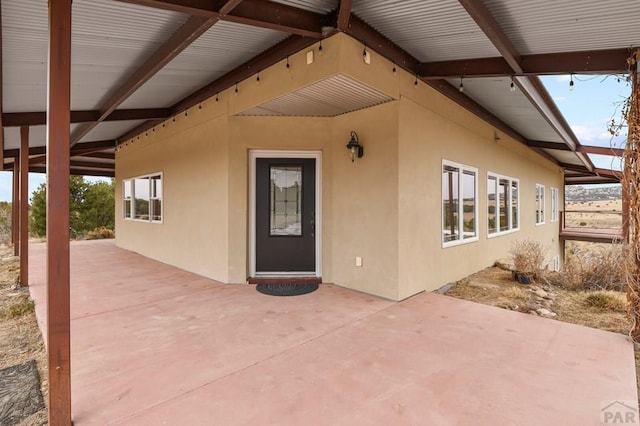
(142, 198)
(556, 263)
(459, 204)
(554, 204)
(539, 204)
(502, 204)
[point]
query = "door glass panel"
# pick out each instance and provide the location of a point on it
(285, 201)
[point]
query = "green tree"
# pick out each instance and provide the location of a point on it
(91, 205)
(38, 216)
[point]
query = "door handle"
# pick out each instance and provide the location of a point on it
(313, 228)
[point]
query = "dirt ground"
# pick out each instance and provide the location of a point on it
(496, 287)
(20, 338)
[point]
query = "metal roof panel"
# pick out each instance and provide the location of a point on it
(547, 26)
(222, 48)
(430, 30)
(330, 97)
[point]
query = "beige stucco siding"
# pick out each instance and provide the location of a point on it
(192, 156)
(385, 207)
(426, 139)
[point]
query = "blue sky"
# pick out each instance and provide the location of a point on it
(592, 103)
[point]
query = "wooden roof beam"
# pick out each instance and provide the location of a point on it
(179, 41)
(601, 150)
(16, 119)
(373, 39)
(548, 145)
(257, 13)
(531, 86)
(612, 61)
(344, 14)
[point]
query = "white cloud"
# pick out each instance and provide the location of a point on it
(562, 78)
(592, 134)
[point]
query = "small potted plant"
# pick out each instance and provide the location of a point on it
(528, 258)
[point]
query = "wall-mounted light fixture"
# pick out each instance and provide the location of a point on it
(354, 147)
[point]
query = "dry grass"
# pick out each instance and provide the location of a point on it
(591, 266)
(20, 338)
(20, 307)
(606, 300)
(528, 256)
(588, 217)
(100, 234)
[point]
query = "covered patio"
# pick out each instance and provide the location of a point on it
(152, 344)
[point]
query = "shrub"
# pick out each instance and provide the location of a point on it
(528, 257)
(100, 234)
(610, 300)
(583, 223)
(18, 309)
(597, 267)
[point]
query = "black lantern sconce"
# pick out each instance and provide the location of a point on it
(354, 147)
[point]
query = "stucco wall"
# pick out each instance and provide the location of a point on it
(385, 207)
(427, 137)
(191, 152)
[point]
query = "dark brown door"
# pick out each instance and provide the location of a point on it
(285, 215)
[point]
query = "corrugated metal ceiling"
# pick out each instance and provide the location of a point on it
(514, 108)
(547, 26)
(430, 30)
(222, 48)
(318, 6)
(112, 39)
(330, 97)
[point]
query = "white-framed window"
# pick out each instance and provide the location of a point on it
(554, 204)
(539, 204)
(142, 198)
(459, 203)
(503, 204)
(555, 265)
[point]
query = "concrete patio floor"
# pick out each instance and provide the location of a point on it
(152, 344)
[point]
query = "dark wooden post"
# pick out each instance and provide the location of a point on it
(58, 274)
(24, 206)
(15, 207)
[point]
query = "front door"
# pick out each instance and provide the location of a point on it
(285, 215)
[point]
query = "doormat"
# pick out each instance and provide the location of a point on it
(20, 394)
(286, 289)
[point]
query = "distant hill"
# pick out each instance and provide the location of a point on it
(580, 193)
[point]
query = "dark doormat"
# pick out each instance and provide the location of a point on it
(20, 394)
(286, 289)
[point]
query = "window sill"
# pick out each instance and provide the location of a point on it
(501, 233)
(459, 242)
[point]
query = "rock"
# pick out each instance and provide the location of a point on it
(546, 313)
(540, 293)
(482, 285)
(504, 263)
(547, 303)
(533, 313)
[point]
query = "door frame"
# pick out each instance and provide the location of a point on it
(254, 154)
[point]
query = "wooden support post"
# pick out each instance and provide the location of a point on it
(58, 273)
(24, 206)
(15, 207)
